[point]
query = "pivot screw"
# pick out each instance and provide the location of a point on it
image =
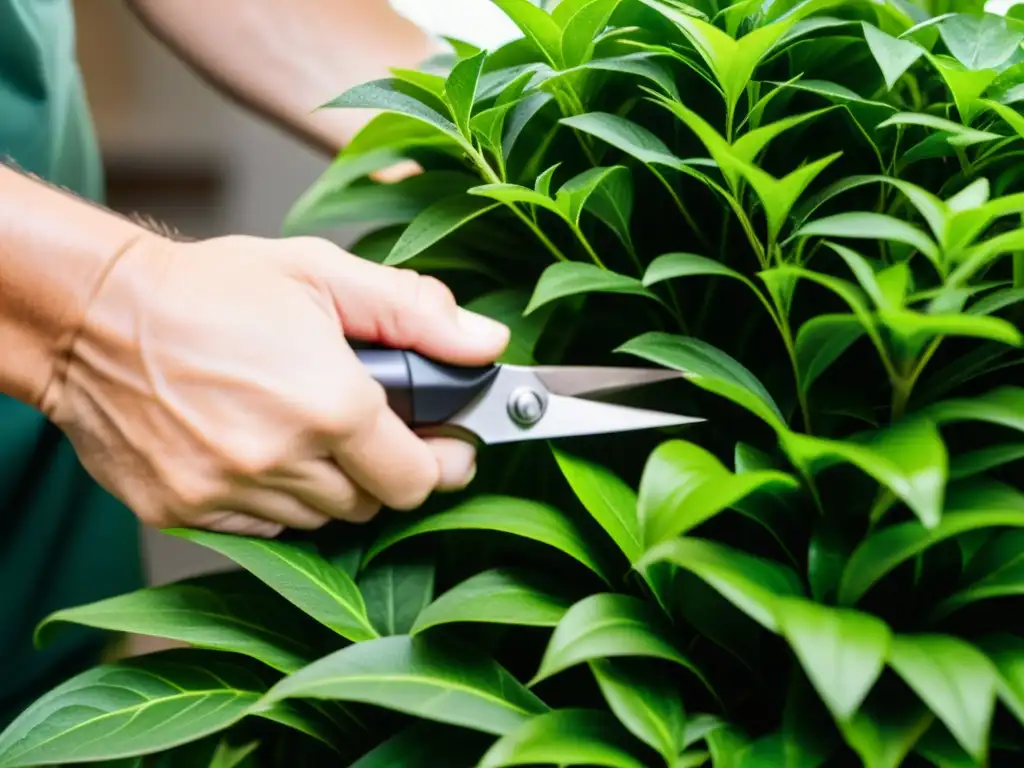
(526, 406)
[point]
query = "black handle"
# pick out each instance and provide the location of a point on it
(423, 392)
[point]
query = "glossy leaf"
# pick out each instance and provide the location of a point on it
(133, 707)
(821, 341)
(996, 570)
(582, 28)
(607, 625)
(574, 278)
(671, 266)
(1000, 407)
(893, 55)
(972, 508)
(224, 612)
(607, 498)
(627, 136)
(909, 459)
(460, 89)
(684, 485)
(499, 596)
(396, 592)
(537, 25)
(298, 574)
(980, 42)
(384, 95)
(708, 368)
(435, 223)
(645, 701)
(750, 583)
(566, 737)
(441, 682)
(427, 745)
(872, 226)
(518, 517)
(956, 680)
(843, 652)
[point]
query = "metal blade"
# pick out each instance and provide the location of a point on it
(575, 381)
(571, 417)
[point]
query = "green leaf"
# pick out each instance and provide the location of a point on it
(427, 745)
(566, 737)
(581, 30)
(520, 117)
(435, 223)
(385, 96)
(133, 707)
(625, 135)
(518, 517)
(708, 368)
(916, 328)
(873, 226)
(513, 193)
(229, 756)
(607, 625)
(778, 196)
(908, 458)
(574, 278)
(996, 570)
(507, 307)
(537, 25)
(674, 265)
(1006, 652)
(499, 596)
(957, 134)
(298, 574)
(886, 728)
(612, 203)
(460, 89)
(607, 498)
(750, 583)
(893, 56)
(640, 64)
(684, 485)
(574, 195)
(381, 204)
(396, 591)
(821, 341)
(978, 462)
(974, 507)
(843, 652)
(223, 612)
(955, 679)
(1002, 407)
(980, 42)
(645, 701)
(443, 682)
(965, 84)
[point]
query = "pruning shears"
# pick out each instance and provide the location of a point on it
(503, 403)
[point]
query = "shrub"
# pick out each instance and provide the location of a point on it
(809, 208)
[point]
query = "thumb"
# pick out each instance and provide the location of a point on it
(401, 309)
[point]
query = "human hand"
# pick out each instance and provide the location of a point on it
(210, 384)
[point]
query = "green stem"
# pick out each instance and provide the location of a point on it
(683, 210)
(493, 178)
(587, 246)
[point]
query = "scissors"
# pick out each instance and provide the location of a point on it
(503, 403)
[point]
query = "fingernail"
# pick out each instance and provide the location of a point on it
(483, 327)
(457, 461)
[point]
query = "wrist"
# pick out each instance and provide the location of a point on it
(55, 251)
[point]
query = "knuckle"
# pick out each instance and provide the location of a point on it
(248, 458)
(420, 483)
(363, 513)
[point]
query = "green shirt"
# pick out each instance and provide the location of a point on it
(63, 541)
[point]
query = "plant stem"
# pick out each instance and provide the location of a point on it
(587, 246)
(493, 178)
(683, 210)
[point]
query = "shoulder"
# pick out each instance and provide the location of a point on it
(479, 22)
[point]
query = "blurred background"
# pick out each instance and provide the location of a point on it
(178, 151)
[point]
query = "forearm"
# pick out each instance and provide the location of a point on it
(54, 251)
(284, 58)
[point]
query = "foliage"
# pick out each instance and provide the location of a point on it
(811, 208)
